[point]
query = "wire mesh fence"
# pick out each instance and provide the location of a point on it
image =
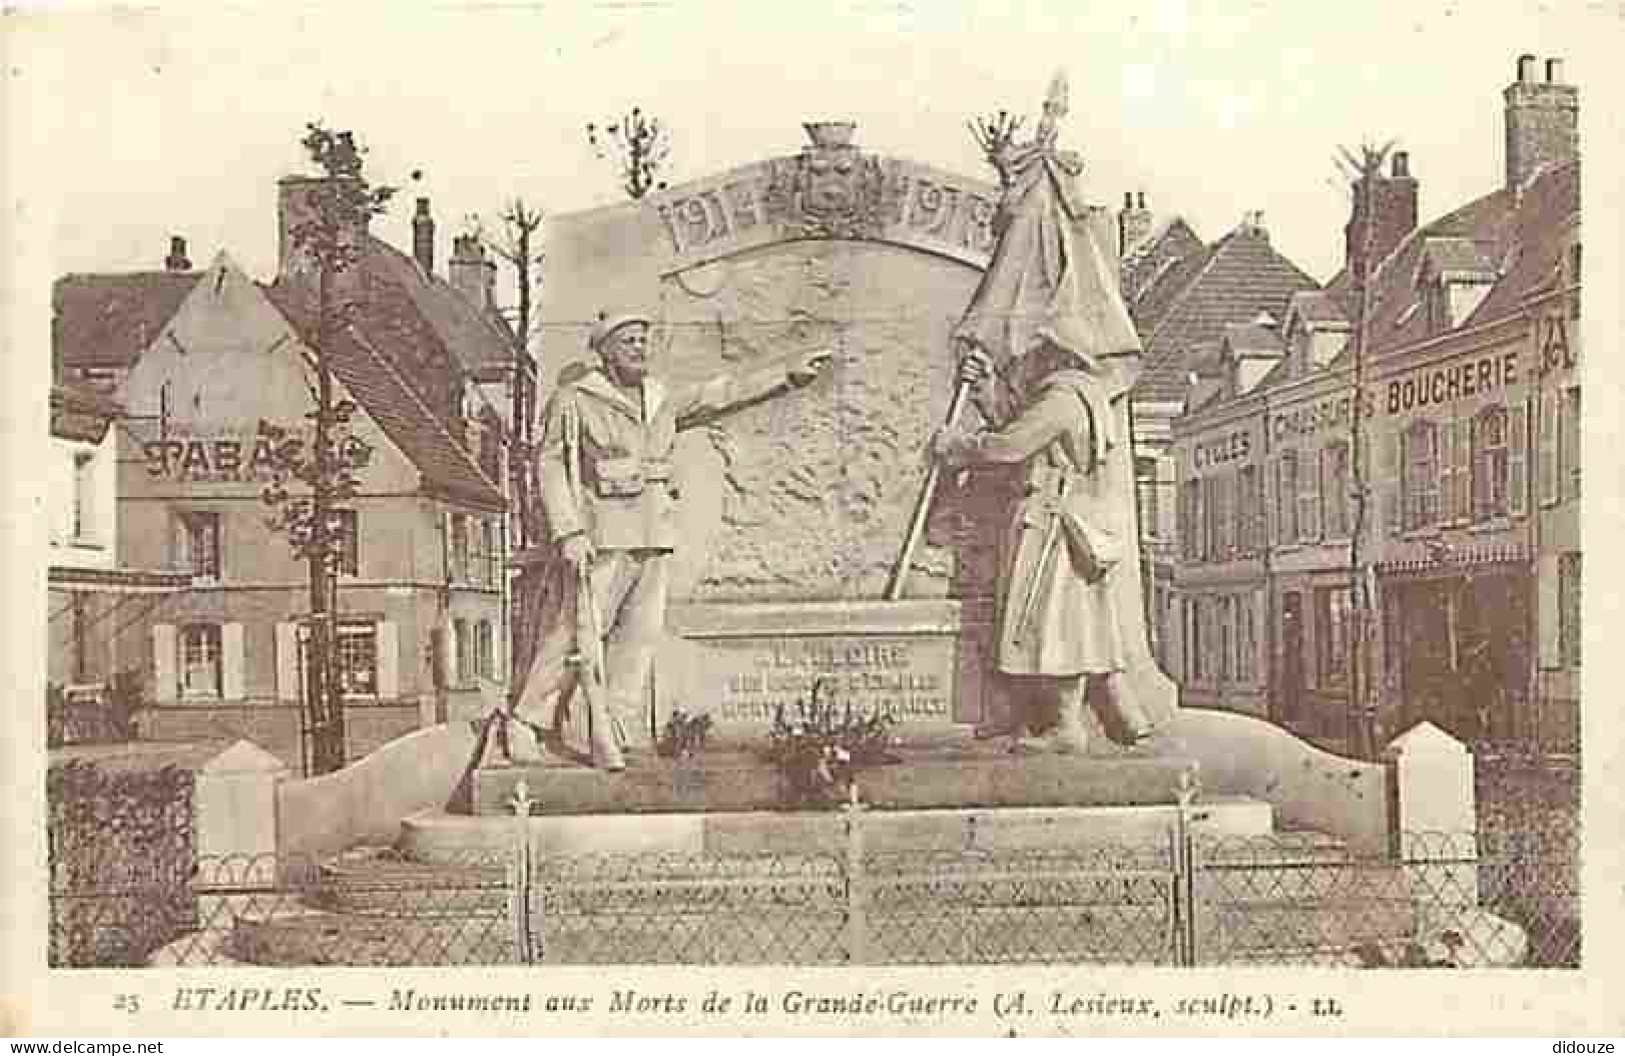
(1288, 898)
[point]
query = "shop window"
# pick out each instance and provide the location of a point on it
(1197, 613)
(1286, 497)
(1568, 605)
(358, 659)
(1421, 474)
(200, 660)
(1246, 639)
(197, 542)
(1331, 634)
(1489, 440)
(1334, 490)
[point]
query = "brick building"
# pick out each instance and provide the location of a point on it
(1468, 439)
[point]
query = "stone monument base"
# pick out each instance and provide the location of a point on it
(959, 774)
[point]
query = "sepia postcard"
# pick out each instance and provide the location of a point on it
(888, 519)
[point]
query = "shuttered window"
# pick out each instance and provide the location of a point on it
(1286, 497)
(1547, 481)
(1518, 458)
(1334, 490)
(1421, 480)
(1570, 444)
(1489, 442)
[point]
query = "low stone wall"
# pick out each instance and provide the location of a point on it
(365, 801)
(1243, 756)
(275, 727)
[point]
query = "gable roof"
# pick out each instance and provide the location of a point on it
(1229, 282)
(1170, 242)
(398, 406)
(480, 340)
(105, 320)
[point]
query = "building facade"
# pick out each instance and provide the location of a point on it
(1461, 430)
(422, 598)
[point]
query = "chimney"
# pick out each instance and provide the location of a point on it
(423, 237)
(177, 259)
(1133, 223)
(1252, 223)
(1542, 122)
(472, 273)
(1392, 201)
(296, 205)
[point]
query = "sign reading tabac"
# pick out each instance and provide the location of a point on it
(218, 459)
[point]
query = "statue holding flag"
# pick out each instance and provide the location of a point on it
(1040, 344)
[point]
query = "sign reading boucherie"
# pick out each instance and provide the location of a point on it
(220, 459)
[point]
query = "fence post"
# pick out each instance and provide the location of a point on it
(857, 884)
(1184, 863)
(527, 933)
(1436, 825)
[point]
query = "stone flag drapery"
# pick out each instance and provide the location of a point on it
(1048, 280)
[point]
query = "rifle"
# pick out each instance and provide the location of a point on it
(922, 505)
(604, 730)
(1046, 558)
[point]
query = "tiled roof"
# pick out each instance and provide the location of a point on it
(381, 387)
(479, 339)
(1535, 261)
(1319, 307)
(1230, 282)
(1171, 241)
(1253, 338)
(1453, 255)
(106, 320)
(1393, 288)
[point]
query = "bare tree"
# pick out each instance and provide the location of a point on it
(1360, 173)
(516, 239)
(340, 206)
(640, 147)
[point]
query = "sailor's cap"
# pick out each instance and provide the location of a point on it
(609, 322)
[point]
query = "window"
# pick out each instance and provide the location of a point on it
(1190, 520)
(1286, 497)
(1489, 439)
(1570, 441)
(484, 658)
(84, 494)
(491, 528)
(198, 544)
(1250, 512)
(349, 542)
(1568, 605)
(1221, 516)
(459, 547)
(358, 659)
(1331, 633)
(200, 660)
(465, 651)
(1421, 475)
(1224, 606)
(1145, 490)
(1334, 490)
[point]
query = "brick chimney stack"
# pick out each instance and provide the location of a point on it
(1542, 121)
(423, 237)
(472, 273)
(1133, 223)
(177, 259)
(1393, 201)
